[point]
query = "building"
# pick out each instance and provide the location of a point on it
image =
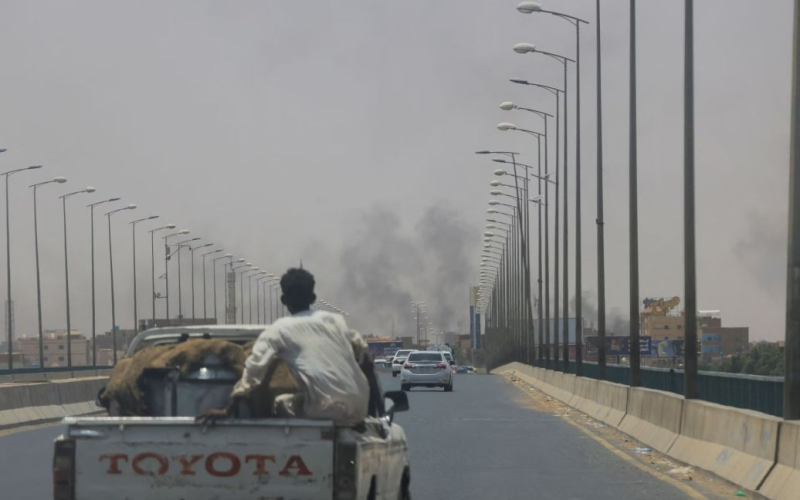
(717, 340)
(660, 321)
(104, 344)
(55, 349)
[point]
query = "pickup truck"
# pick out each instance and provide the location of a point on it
(175, 457)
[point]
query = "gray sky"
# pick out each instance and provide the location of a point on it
(290, 130)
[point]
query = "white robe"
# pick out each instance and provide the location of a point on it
(322, 351)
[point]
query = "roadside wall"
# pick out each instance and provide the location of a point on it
(42, 402)
(752, 449)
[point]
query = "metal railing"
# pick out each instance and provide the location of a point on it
(749, 392)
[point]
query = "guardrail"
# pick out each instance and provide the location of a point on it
(749, 392)
(53, 369)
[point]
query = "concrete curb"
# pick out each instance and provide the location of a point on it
(737, 445)
(654, 417)
(783, 483)
(44, 402)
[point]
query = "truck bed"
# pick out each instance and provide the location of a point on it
(138, 458)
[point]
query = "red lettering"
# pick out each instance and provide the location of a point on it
(232, 471)
(113, 462)
(295, 462)
(186, 464)
(163, 465)
(260, 461)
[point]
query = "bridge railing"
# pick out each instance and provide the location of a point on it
(749, 392)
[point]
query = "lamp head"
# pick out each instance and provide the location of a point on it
(90, 189)
(524, 48)
(519, 81)
(493, 202)
(529, 7)
(506, 126)
(229, 255)
(499, 172)
(507, 106)
(495, 192)
(494, 183)
(60, 180)
(131, 206)
(170, 226)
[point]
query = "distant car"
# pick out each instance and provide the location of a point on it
(398, 360)
(426, 369)
(471, 369)
(382, 363)
(450, 361)
(462, 369)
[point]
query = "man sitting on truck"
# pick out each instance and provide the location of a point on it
(319, 349)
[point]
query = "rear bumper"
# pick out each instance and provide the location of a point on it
(441, 377)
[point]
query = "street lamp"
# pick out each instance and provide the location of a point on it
(94, 313)
(59, 180)
(153, 264)
(535, 7)
(133, 242)
(87, 189)
(205, 294)
(249, 293)
(9, 313)
(111, 267)
(191, 251)
(179, 246)
(166, 265)
(214, 269)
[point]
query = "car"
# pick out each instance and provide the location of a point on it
(449, 357)
(462, 369)
(398, 360)
(382, 363)
(471, 369)
(426, 369)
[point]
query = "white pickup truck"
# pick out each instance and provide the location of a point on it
(174, 457)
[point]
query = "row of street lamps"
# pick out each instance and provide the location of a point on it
(265, 282)
(504, 292)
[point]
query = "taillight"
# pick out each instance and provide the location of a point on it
(440, 366)
(398, 362)
(64, 470)
(409, 366)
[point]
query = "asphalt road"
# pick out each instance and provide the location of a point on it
(473, 443)
(477, 443)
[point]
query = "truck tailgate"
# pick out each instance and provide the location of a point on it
(175, 458)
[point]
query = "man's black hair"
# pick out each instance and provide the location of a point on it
(297, 287)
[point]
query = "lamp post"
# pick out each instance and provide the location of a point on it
(59, 180)
(133, 242)
(153, 264)
(249, 293)
(111, 267)
(87, 189)
(166, 264)
(242, 269)
(9, 313)
(529, 8)
(233, 268)
(179, 246)
(94, 304)
(191, 251)
(214, 269)
(205, 294)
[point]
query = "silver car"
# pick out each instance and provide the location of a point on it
(426, 369)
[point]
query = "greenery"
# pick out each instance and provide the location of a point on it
(762, 359)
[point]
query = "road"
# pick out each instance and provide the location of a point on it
(477, 442)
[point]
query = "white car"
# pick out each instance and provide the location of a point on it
(398, 360)
(426, 369)
(449, 357)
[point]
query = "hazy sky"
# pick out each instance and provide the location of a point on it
(342, 133)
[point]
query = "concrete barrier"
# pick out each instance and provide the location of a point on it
(783, 483)
(653, 417)
(36, 403)
(737, 445)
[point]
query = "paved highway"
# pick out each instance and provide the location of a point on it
(478, 442)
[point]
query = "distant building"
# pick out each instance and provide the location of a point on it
(717, 340)
(55, 349)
